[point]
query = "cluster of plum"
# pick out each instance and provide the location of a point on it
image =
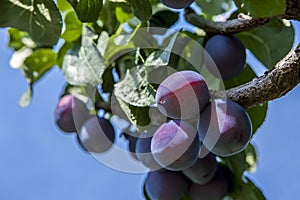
(94, 134)
(181, 151)
(186, 151)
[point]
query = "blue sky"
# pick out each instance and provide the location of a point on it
(37, 161)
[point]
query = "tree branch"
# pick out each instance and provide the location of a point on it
(274, 84)
(242, 23)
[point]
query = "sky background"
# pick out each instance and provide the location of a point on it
(37, 161)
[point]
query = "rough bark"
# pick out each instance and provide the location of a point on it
(242, 23)
(272, 85)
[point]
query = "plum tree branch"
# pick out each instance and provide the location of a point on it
(242, 23)
(272, 85)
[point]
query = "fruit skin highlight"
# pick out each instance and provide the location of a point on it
(225, 56)
(70, 114)
(225, 127)
(177, 4)
(175, 145)
(182, 95)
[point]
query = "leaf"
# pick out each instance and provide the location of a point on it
(162, 20)
(245, 76)
(118, 45)
(259, 194)
(142, 9)
(64, 5)
(245, 160)
(26, 97)
(41, 19)
(261, 8)
(267, 42)
(73, 27)
(214, 7)
(16, 39)
(138, 116)
(250, 158)
(88, 10)
(84, 65)
(39, 62)
(257, 115)
(123, 12)
(162, 58)
(108, 81)
(237, 164)
(135, 89)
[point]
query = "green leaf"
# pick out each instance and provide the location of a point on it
(162, 57)
(245, 76)
(214, 7)
(142, 9)
(84, 65)
(134, 89)
(108, 81)
(237, 164)
(88, 10)
(257, 115)
(62, 52)
(73, 27)
(162, 20)
(118, 45)
(123, 12)
(245, 160)
(267, 42)
(41, 19)
(39, 62)
(26, 97)
(250, 158)
(16, 39)
(138, 116)
(261, 8)
(259, 194)
(64, 5)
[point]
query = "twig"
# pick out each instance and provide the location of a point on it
(274, 84)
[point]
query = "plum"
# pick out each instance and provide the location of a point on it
(131, 146)
(203, 170)
(216, 189)
(175, 145)
(177, 4)
(182, 95)
(165, 185)
(225, 127)
(143, 153)
(225, 57)
(97, 135)
(70, 113)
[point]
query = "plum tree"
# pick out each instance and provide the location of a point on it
(225, 57)
(110, 55)
(177, 4)
(97, 135)
(182, 95)
(203, 170)
(70, 113)
(216, 189)
(175, 145)
(225, 127)
(165, 185)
